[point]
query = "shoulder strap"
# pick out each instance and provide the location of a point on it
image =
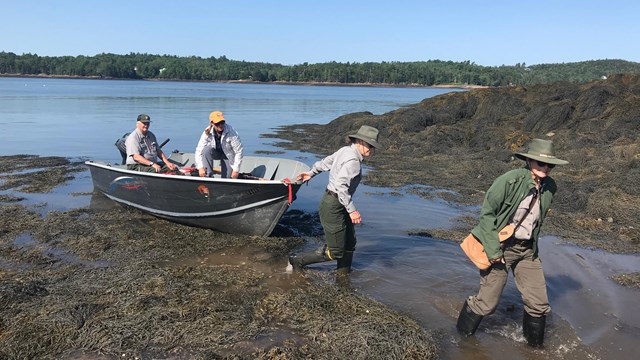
(533, 200)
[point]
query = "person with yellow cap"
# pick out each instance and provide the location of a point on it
(221, 142)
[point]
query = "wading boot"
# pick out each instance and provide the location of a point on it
(533, 329)
(468, 321)
(344, 263)
(298, 262)
(343, 270)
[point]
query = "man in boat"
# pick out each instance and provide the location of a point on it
(519, 199)
(143, 150)
(338, 213)
(221, 142)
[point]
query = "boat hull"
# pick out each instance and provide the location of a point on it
(251, 207)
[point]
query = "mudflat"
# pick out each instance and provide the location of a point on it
(110, 282)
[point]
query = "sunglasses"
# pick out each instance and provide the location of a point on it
(543, 164)
(219, 123)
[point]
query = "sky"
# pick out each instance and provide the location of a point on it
(289, 32)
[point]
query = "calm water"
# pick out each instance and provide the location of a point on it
(428, 279)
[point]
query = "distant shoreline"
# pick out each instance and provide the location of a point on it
(308, 83)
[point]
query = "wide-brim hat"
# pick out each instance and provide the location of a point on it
(367, 134)
(541, 150)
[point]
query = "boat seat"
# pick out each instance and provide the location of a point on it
(120, 144)
(270, 169)
(265, 171)
(186, 163)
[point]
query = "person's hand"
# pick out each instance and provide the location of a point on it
(235, 174)
(202, 172)
(355, 217)
(304, 177)
(156, 167)
(498, 260)
(172, 166)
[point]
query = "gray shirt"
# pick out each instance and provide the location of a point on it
(345, 173)
(525, 230)
(147, 146)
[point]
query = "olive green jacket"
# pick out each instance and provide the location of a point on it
(501, 202)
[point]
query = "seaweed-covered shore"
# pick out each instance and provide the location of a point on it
(462, 141)
(109, 282)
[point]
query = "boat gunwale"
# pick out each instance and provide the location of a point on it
(117, 168)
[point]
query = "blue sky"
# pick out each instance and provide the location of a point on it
(490, 32)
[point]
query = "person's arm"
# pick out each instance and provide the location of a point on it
(167, 162)
(141, 160)
(199, 156)
(238, 150)
(133, 149)
(488, 233)
(347, 172)
(318, 167)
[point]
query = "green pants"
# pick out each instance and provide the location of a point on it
(145, 168)
(529, 279)
(339, 231)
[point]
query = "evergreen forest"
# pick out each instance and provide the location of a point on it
(419, 73)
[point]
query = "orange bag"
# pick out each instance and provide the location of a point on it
(506, 232)
(475, 252)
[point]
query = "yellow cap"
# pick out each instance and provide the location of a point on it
(216, 116)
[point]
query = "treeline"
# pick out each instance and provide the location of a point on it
(425, 73)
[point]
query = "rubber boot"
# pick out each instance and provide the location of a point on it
(300, 261)
(468, 321)
(344, 263)
(343, 269)
(533, 329)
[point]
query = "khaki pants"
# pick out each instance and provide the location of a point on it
(529, 279)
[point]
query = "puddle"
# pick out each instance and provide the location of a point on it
(26, 242)
(276, 279)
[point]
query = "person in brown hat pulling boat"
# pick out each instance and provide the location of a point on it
(338, 213)
(517, 200)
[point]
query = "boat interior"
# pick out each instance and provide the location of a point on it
(253, 167)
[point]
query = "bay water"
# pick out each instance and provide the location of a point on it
(427, 279)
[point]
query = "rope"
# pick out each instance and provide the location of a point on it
(287, 182)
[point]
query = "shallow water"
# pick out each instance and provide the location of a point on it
(427, 279)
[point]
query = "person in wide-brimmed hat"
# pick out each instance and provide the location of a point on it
(338, 213)
(518, 200)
